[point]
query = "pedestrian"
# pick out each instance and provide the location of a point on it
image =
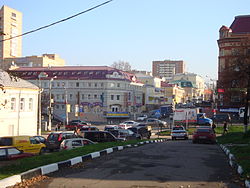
(213, 127)
(58, 126)
(225, 128)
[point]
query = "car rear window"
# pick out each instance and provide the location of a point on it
(178, 128)
(6, 142)
(203, 130)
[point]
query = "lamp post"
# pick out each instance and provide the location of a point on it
(66, 104)
(41, 75)
(50, 103)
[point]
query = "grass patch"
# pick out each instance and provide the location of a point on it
(22, 165)
(239, 146)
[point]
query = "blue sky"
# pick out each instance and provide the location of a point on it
(136, 31)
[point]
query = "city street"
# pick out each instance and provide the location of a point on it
(168, 164)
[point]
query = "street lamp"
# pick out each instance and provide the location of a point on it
(50, 104)
(41, 75)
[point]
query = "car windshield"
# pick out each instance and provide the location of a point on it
(178, 128)
(53, 137)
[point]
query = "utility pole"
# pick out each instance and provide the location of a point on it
(246, 117)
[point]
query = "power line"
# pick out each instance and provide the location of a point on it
(63, 20)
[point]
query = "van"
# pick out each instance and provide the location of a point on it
(27, 144)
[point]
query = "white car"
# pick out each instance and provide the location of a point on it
(179, 132)
(142, 117)
(128, 124)
(75, 143)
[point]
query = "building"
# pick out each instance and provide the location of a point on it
(173, 94)
(153, 95)
(93, 93)
(18, 106)
(10, 26)
(198, 84)
(11, 50)
(233, 64)
(45, 60)
(168, 68)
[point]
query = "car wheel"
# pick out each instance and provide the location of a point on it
(194, 142)
(42, 151)
(173, 138)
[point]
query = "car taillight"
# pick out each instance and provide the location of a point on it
(60, 137)
(65, 147)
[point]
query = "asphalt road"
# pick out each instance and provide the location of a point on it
(159, 165)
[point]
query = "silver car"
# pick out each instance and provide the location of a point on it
(75, 143)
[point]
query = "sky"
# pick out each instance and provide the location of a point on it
(135, 31)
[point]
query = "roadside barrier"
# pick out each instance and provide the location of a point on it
(47, 169)
(233, 163)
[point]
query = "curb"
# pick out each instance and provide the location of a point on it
(12, 180)
(233, 163)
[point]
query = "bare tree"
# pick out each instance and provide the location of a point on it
(122, 65)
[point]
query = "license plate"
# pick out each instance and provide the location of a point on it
(202, 137)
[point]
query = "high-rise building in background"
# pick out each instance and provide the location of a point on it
(233, 65)
(168, 68)
(10, 26)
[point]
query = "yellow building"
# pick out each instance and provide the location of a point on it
(10, 26)
(45, 60)
(173, 94)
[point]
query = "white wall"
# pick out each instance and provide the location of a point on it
(17, 122)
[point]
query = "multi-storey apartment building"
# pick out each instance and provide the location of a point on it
(10, 26)
(18, 106)
(233, 65)
(93, 93)
(167, 68)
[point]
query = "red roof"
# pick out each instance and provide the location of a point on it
(241, 24)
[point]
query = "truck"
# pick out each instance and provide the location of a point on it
(191, 116)
(163, 112)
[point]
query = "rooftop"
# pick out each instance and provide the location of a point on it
(241, 24)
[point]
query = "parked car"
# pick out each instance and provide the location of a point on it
(100, 136)
(142, 117)
(204, 134)
(75, 143)
(27, 144)
(55, 139)
(89, 128)
(111, 127)
(156, 122)
(79, 121)
(220, 118)
(40, 139)
(12, 153)
(125, 134)
(179, 132)
(142, 131)
(75, 125)
(127, 124)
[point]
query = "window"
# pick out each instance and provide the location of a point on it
(63, 97)
(58, 84)
(89, 84)
(112, 97)
(13, 15)
(82, 96)
(13, 104)
(77, 84)
(2, 152)
(118, 97)
(13, 151)
(30, 104)
(77, 143)
(95, 96)
(89, 96)
(63, 106)
(95, 84)
(70, 96)
(118, 84)
(22, 102)
(101, 84)
(58, 96)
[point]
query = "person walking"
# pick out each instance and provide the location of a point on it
(225, 128)
(213, 127)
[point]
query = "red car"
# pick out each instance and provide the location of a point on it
(205, 135)
(12, 153)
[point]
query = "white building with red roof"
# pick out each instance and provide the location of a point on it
(93, 93)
